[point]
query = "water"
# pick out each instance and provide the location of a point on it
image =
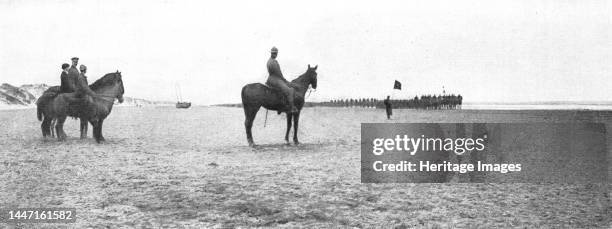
(537, 107)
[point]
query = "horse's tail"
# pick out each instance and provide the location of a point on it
(43, 101)
(242, 92)
(243, 95)
(39, 113)
(40, 106)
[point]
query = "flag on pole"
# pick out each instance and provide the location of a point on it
(397, 85)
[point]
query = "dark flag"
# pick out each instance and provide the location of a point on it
(397, 85)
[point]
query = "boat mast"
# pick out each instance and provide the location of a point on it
(179, 96)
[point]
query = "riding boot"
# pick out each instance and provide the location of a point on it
(284, 87)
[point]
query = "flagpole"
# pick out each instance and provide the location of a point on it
(396, 85)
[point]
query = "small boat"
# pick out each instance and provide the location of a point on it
(179, 97)
(183, 104)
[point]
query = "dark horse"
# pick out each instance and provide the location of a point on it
(52, 106)
(256, 95)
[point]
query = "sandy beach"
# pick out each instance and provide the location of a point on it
(164, 167)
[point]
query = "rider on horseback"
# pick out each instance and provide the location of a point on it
(76, 82)
(84, 94)
(67, 85)
(73, 73)
(82, 87)
(69, 76)
(277, 81)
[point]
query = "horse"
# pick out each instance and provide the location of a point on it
(256, 95)
(58, 108)
(41, 103)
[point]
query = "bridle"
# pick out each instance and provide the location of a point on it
(107, 98)
(310, 89)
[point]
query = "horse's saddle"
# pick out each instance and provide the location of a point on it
(291, 85)
(79, 106)
(277, 92)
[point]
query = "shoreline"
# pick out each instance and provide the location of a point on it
(15, 107)
(471, 108)
(19, 107)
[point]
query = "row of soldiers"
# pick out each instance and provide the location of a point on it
(434, 102)
(430, 102)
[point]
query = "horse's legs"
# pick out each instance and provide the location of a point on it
(296, 120)
(98, 131)
(84, 125)
(45, 126)
(249, 113)
(52, 127)
(94, 124)
(59, 128)
(289, 116)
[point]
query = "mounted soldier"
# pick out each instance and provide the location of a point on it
(73, 72)
(67, 84)
(277, 81)
(69, 76)
(82, 86)
(76, 99)
(74, 80)
(82, 95)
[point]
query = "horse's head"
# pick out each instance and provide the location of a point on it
(312, 75)
(121, 89)
(110, 84)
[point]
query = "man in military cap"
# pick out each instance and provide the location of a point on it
(82, 86)
(276, 79)
(73, 72)
(83, 95)
(70, 79)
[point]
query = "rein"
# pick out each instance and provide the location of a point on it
(309, 91)
(103, 97)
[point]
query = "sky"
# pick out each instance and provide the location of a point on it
(487, 51)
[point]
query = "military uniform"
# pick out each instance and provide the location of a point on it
(70, 80)
(82, 97)
(68, 83)
(274, 69)
(388, 108)
(73, 71)
(276, 80)
(82, 86)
